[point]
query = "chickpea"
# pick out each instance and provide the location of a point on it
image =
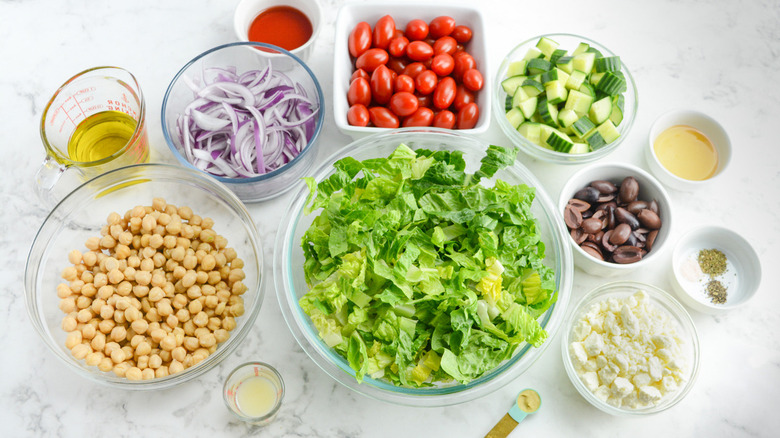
(94, 358)
(179, 353)
(118, 356)
(158, 279)
(228, 323)
(107, 242)
(92, 243)
(118, 334)
(214, 278)
(237, 309)
(211, 301)
(208, 262)
(84, 315)
(183, 315)
(195, 307)
(172, 321)
(189, 328)
(74, 338)
(164, 309)
(98, 342)
(168, 343)
(142, 362)
(143, 348)
(221, 335)
(207, 340)
(132, 314)
(80, 351)
(63, 290)
(88, 331)
(134, 373)
(157, 335)
(191, 343)
(189, 262)
(152, 315)
(148, 374)
(89, 258)
(144, 277)
(169, 289)
(89, 290)
(76, 285)
(155, 361)
(69, 323)
(139, 325)
(106, 325)
(214, 323)
(159, 260)
(165, 356)
(220, 242)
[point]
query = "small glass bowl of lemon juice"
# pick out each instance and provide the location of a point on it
(253, 392)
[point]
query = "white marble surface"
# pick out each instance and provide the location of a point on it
(720, 57)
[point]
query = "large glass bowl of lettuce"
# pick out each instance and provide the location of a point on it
(422, 267)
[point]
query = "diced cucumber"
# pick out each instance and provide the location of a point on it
(595, 140)
(515, 117)
(582, 127)
(600, 110)
(608, 63)
(532, 88)
(533, 53)
(519, 96)
(565, 63)
(559, 141)
(584, 61)
(511, 83)
(528, 107)
(531, 131)
(556, 55)
(581, 48)
(556, 92)
(516, 68)
(565, 101)
(546, 46)
(538, 65)
(547, 111)
(576, 79)
(567, 117)
(579, 148)
(608, 131)
(549, 76)
(611, 83)
(578, 102)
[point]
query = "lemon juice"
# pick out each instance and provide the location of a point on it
(100, 136)
(256, 396)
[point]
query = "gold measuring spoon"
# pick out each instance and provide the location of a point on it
(528, 402)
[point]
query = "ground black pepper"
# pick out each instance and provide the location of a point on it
(716, 291)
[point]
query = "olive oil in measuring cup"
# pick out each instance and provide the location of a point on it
(100, 136)
(94, 123)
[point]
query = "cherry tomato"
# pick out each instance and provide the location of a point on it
(359, 92)
(398, 33)
(430, 41)
(463, 62)
(416, 30)
(460, 48)
(461, 33)
(444, 93)
(441, 26)
(371, 59)
(421, 117)
(445, 44)
(463, 97)
(384, 32)
(424, 100)
(468, 116)
(403, 104)
(472, 79)
(397, 46)
(357, 115)
(425, 82)
(419, 51)
(381, 85)
(382, 117)
(414, 69)
(396, 65)
(359, 73)
(444, 119)
(403, 83)
(442, 64)
(359, 39)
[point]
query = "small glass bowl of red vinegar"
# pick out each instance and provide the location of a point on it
(290, 24)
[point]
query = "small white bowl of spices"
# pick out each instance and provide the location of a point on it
(715, 269)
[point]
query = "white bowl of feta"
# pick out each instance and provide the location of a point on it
(630, 349)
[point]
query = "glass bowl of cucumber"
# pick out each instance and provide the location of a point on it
(564, 98)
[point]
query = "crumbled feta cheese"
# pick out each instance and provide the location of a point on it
(627, 352)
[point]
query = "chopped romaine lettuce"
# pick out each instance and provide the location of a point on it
(420, 274)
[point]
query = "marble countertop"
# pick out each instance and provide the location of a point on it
(720, 57)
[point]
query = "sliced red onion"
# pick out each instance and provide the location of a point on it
(245, 125)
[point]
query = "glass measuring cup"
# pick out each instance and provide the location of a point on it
(95, 122)
(253, 392)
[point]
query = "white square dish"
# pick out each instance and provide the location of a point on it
(343, 66)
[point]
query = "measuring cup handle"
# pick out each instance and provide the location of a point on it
(46, 178)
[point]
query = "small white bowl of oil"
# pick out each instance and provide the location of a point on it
(687, 149)
(253, 392)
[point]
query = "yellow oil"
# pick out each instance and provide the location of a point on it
(686, 152)
(256, 396)
(101, 135)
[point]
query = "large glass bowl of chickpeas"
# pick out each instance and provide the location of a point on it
(145, 277)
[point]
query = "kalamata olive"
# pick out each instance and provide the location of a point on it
(606, 205)
(632, 240)
(649, 219)
(579, 204)
(592, 250)
(578, 235)
(591, 225)
(587, 213)
(611, 222)
(605, 241)
(640, 238)
(627, 254)
(599, 214)
(650, 239)
(607, 198)
(603, 186)
(654, 207)
(572, 217)
(588, 194)
(636, 206)
(629, 190)
(620, 234)
(623, 216)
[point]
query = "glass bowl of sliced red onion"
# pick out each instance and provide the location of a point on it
(248, 114)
